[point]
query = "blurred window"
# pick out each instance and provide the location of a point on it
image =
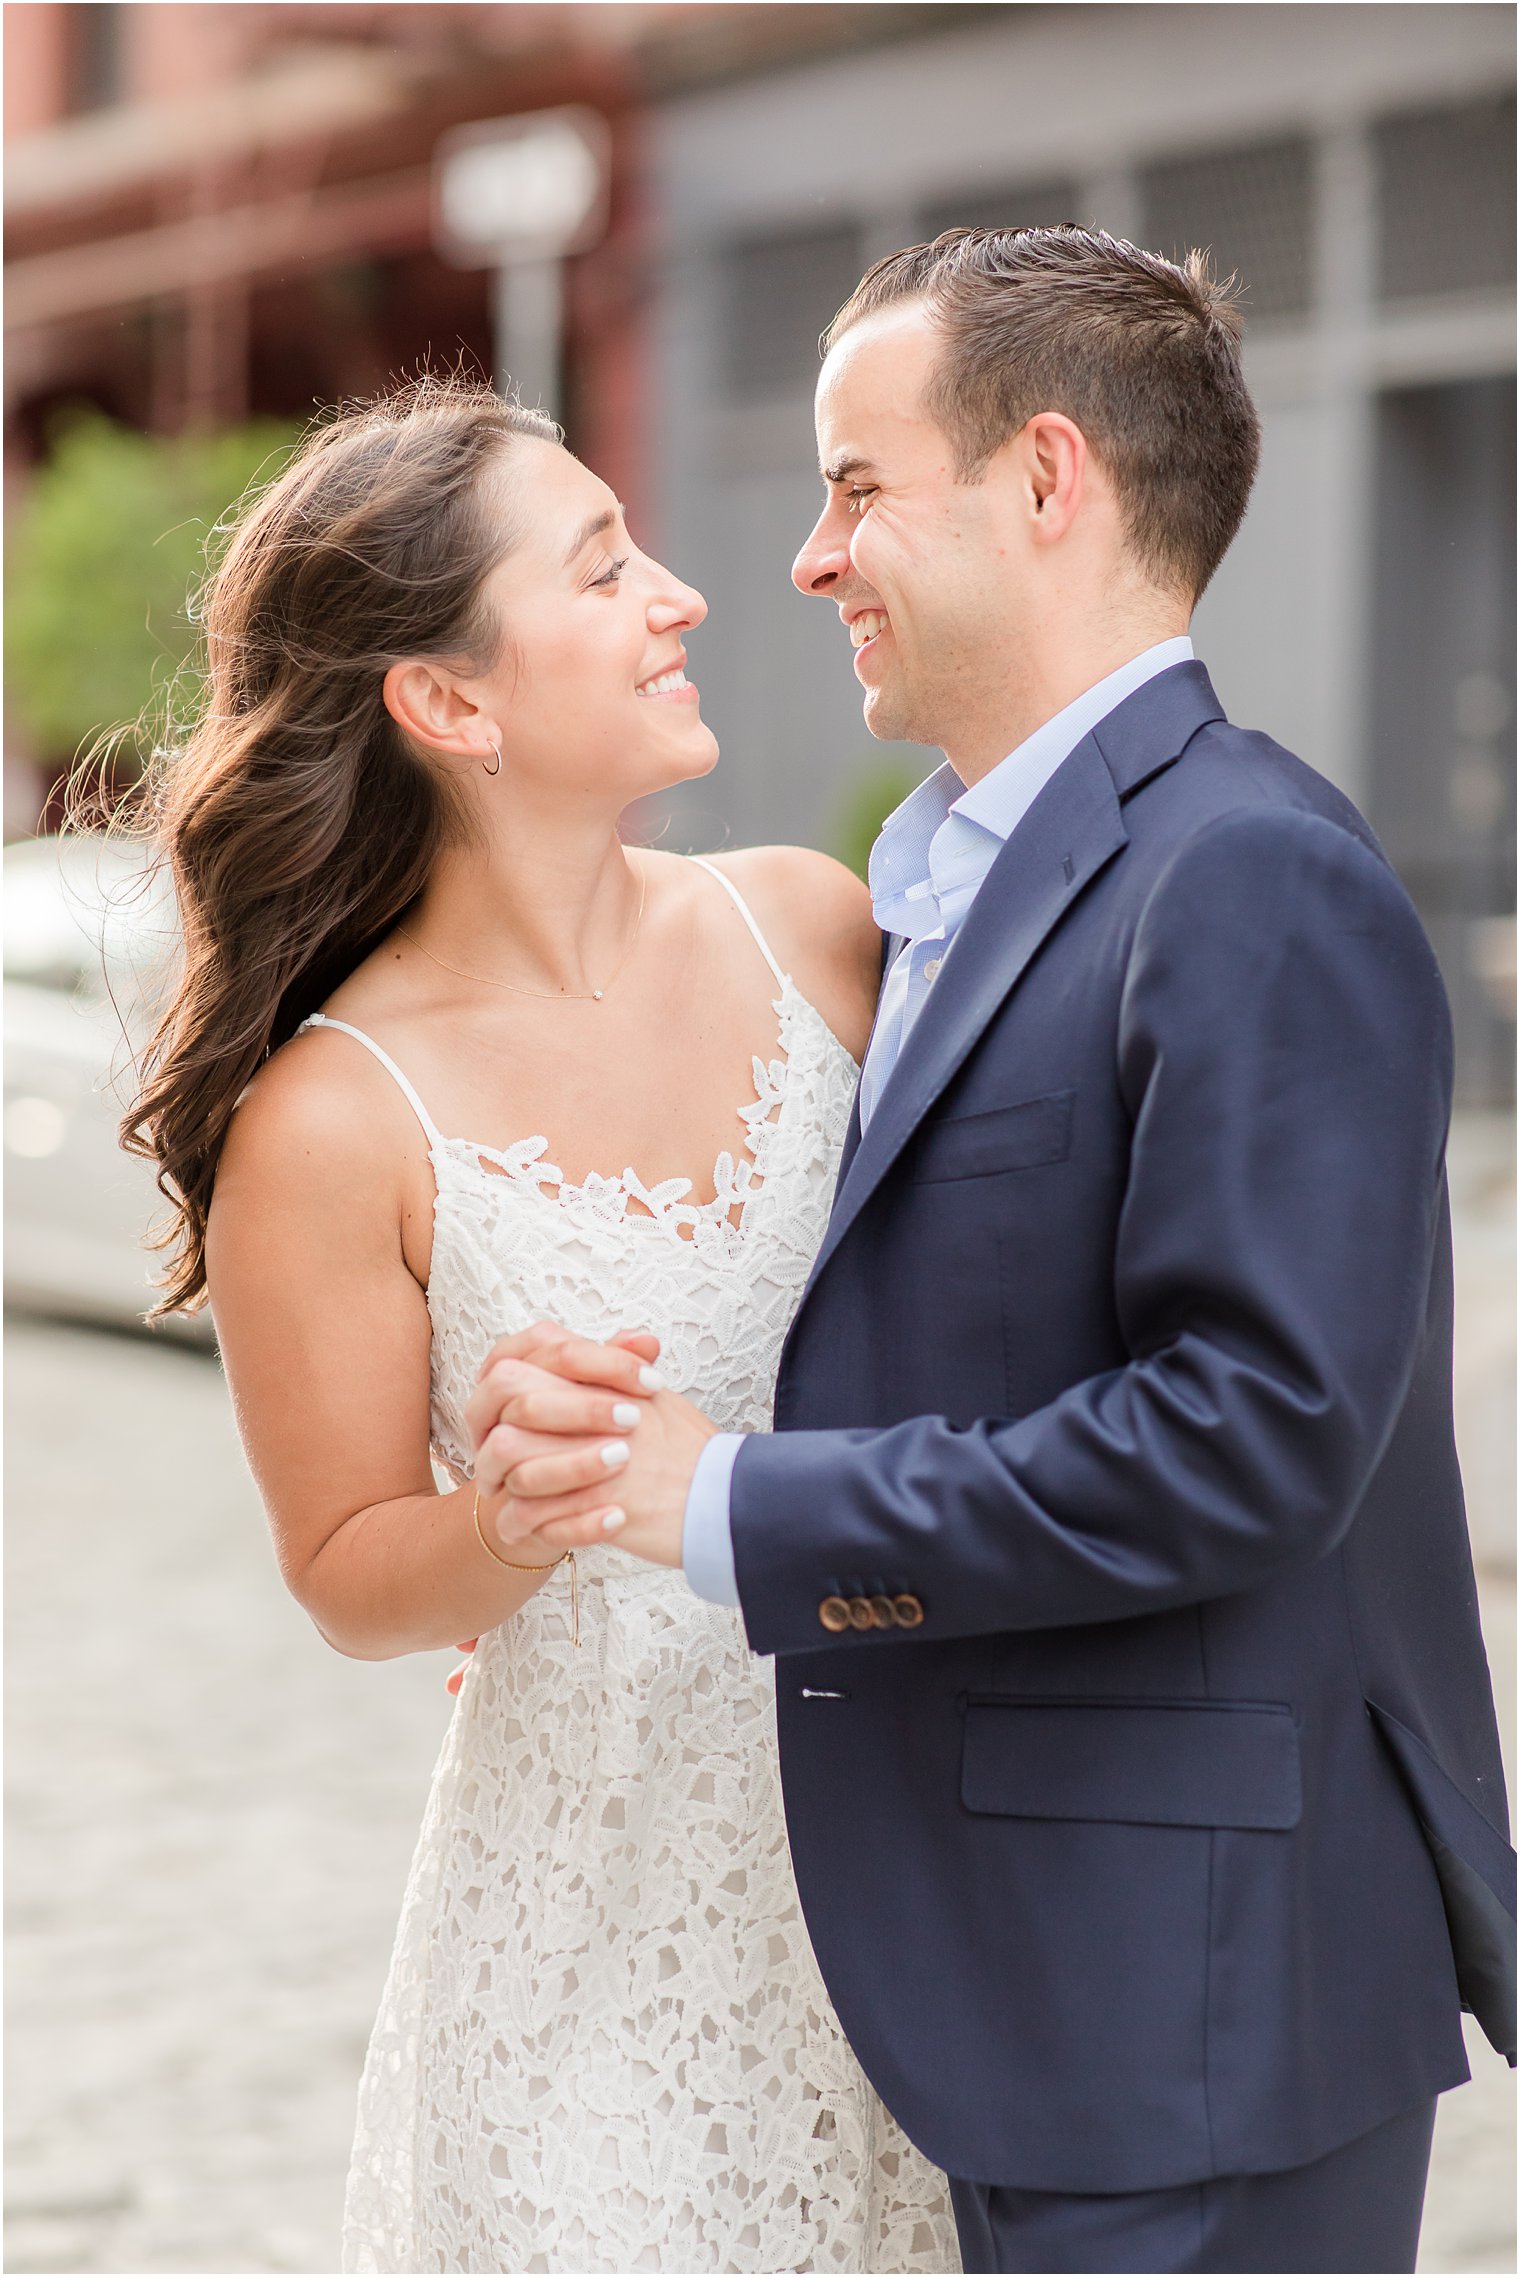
(1250, 208)
(1446, 199)
(95, 54)
(1014, 205)
(782, 291)
(1443, 686)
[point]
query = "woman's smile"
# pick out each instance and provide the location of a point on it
(669, 685)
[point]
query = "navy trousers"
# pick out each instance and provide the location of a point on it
(1356, 2210)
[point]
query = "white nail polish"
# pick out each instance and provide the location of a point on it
(613, 1519)
(615, 1453)
(651, 1379)
(626, 1414)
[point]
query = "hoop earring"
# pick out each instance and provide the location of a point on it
(496, 770)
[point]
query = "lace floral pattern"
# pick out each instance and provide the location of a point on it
(604, 2044)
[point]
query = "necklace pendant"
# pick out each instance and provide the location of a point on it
(596, 996)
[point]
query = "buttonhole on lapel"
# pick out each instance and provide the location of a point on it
(807, 1693)
(1069, 868)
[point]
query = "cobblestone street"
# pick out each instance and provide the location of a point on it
(210, 1821)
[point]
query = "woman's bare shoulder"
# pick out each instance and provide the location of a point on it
(802, 889)
(320, 1119)
(817, 917)
(797, 876)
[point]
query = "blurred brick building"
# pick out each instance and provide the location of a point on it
(213, 210)
(221, 209)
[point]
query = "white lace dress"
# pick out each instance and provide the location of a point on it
(604, 2044)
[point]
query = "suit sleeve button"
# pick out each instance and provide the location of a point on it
(883, 1613)
(909, 1611)
(834, 1613)
(861, 1616)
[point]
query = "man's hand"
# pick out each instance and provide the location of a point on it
(576, 1444)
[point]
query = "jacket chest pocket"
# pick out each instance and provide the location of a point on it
(1020, 1137)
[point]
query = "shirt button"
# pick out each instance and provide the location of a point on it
(932, 967)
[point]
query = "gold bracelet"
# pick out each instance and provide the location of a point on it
(512, 1562)
(513, 1566)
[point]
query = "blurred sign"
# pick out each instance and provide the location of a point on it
(525, 189)
(519, 195)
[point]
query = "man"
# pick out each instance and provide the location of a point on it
(1139, 1750)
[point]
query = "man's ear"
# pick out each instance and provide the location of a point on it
(1054, 463)
(428, 705)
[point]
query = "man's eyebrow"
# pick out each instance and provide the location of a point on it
(592, 529)
(842, 468)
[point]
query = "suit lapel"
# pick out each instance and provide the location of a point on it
(1071, 831)
(892, 946)
(851, 1144)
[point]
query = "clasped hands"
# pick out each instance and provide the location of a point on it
(577, 1442)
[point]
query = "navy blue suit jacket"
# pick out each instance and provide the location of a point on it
(1172, 1841)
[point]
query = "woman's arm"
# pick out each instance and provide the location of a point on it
(817, 917)
(325, 1338)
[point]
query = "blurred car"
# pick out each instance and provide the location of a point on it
(90, 946)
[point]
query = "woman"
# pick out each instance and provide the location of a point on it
(447, 1058)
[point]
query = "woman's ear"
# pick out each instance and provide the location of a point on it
(428, 705)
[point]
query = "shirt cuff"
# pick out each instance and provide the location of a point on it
(707, 1548)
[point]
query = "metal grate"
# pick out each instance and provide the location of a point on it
(782, 291)
(1015, 205)
(1446, 199)
(1250, 209)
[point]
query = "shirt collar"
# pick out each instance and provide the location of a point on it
(943, 839)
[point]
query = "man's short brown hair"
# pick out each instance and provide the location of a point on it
(1143, 354)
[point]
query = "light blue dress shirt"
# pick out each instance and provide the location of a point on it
(925, 869)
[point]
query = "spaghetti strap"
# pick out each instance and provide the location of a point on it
(321, 1020)
(743, 907)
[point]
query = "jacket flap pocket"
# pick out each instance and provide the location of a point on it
(1001, 1138)
(1149, 1762)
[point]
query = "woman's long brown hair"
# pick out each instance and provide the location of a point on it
(296, 821)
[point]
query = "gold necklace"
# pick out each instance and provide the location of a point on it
(545, 995)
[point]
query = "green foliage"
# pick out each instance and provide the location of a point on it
(106, 552)
(880, 786)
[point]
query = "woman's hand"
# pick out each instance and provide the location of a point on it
(541, 1388)
(622, 1367)
(576, 1441)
